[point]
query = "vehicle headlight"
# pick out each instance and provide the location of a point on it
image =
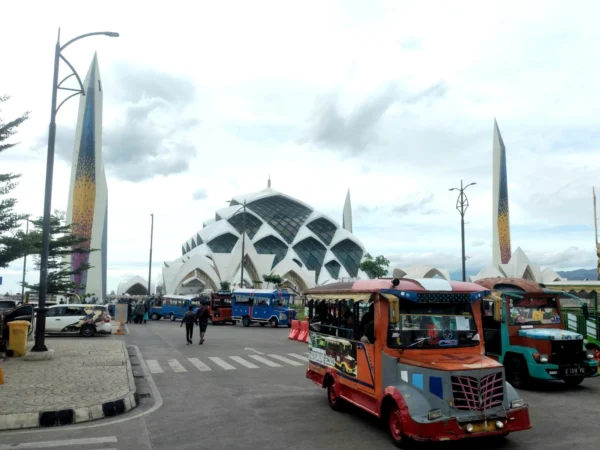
(543, 358)
(518, 403)
(469, 428)
(434, 414)
(282, 316)
(590, 355)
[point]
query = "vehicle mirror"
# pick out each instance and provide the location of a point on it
(586, 312)
(498, 310)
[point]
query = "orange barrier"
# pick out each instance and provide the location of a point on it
(303, 336)
(295, 331)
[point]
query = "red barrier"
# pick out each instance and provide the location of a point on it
(303, 336)
(295, 331)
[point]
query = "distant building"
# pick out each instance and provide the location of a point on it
(135, 286)
(88, 193)
(283, 236)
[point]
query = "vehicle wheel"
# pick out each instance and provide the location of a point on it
(154, 316)
(246, 321)
(573, 381)
(395, 426)
(274, 322)
(262, 324)
(172, 317)
(517, 373)
(334, 401)
(88, 331)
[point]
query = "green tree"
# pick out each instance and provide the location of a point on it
(275, 279)
(63, 244)
(11, 247)
(375, 268)
(225, 285)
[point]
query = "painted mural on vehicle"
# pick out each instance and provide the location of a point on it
(337, 353)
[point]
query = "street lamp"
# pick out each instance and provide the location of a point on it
(462, 203)
(40, 328)
(150, 262)
(243, 240)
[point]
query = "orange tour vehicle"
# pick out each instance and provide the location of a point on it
(411, 352)
(220, 308)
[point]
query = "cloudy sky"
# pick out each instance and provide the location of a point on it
(394, 100)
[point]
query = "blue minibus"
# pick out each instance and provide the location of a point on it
(262, 306)
(174, 307)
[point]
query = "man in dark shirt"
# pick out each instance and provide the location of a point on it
(203, 316)
(189, 318)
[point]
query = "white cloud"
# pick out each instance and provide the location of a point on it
(233, 88)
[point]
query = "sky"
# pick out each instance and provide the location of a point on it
(392, 100)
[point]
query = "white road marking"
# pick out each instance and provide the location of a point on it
(243, 362)
(286, 360)
(264, 361)
(154, 366)
(297, 356)
(220, 362)
(62, 443)
(255, 351)
(176, 366)
(199, 365)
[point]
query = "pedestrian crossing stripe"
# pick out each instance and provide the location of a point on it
(211, 363)
(60, 444)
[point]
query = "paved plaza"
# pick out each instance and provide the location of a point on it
(84, 375)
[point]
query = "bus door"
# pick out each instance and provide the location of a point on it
(262, 309)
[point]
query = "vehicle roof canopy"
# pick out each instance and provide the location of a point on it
(511, 284)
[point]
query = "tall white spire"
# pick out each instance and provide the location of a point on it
(347, 217)
(501, 252)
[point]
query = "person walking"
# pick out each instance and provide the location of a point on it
(203, 315)
(189, 318)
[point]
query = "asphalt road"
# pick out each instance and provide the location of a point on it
(245, 388)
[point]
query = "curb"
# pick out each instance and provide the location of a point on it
(70, 416)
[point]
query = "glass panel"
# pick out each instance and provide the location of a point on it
(252, 224)
(223, 243)
(533, 311)
(324, 229)
(270, 245)
(284, 215)
(349, 254)
(312, 254)
(333, 267)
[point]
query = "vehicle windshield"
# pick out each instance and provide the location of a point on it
(7, 304)
(281, 301)
(431, 325)
(533, 311)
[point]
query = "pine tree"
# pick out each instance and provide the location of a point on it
(11, 247)
(63, 244)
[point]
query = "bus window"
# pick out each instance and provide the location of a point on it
(432, 325)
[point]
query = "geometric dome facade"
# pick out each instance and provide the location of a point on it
(283, 236)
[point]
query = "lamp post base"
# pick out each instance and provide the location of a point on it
(46, 355)
(41, 348)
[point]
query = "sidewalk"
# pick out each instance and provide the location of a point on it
(88, 379)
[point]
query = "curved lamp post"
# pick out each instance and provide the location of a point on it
(462, 203)
(40, 328)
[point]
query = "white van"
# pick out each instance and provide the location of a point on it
(86, 320)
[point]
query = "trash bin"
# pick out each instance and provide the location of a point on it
(17, 336)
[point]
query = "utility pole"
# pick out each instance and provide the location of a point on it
(243, 245)
(596, 231)
(462, 203)
(150, 262)
(24, 263)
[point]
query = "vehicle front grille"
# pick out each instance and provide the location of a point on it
(567, 352)
(478, 394)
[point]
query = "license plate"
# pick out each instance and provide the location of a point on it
(575, 371)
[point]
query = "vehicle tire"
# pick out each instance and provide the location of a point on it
(88, 331)
(573, 381)
(246, 321)
(517, 373)
(262, 324)
(172, 317)
(155, 316)
(334, 402)
(394, 418)
(274, 322)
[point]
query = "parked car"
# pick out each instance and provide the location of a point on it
(7, 305)
(86, 320)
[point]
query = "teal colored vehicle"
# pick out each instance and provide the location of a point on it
(525, 331)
